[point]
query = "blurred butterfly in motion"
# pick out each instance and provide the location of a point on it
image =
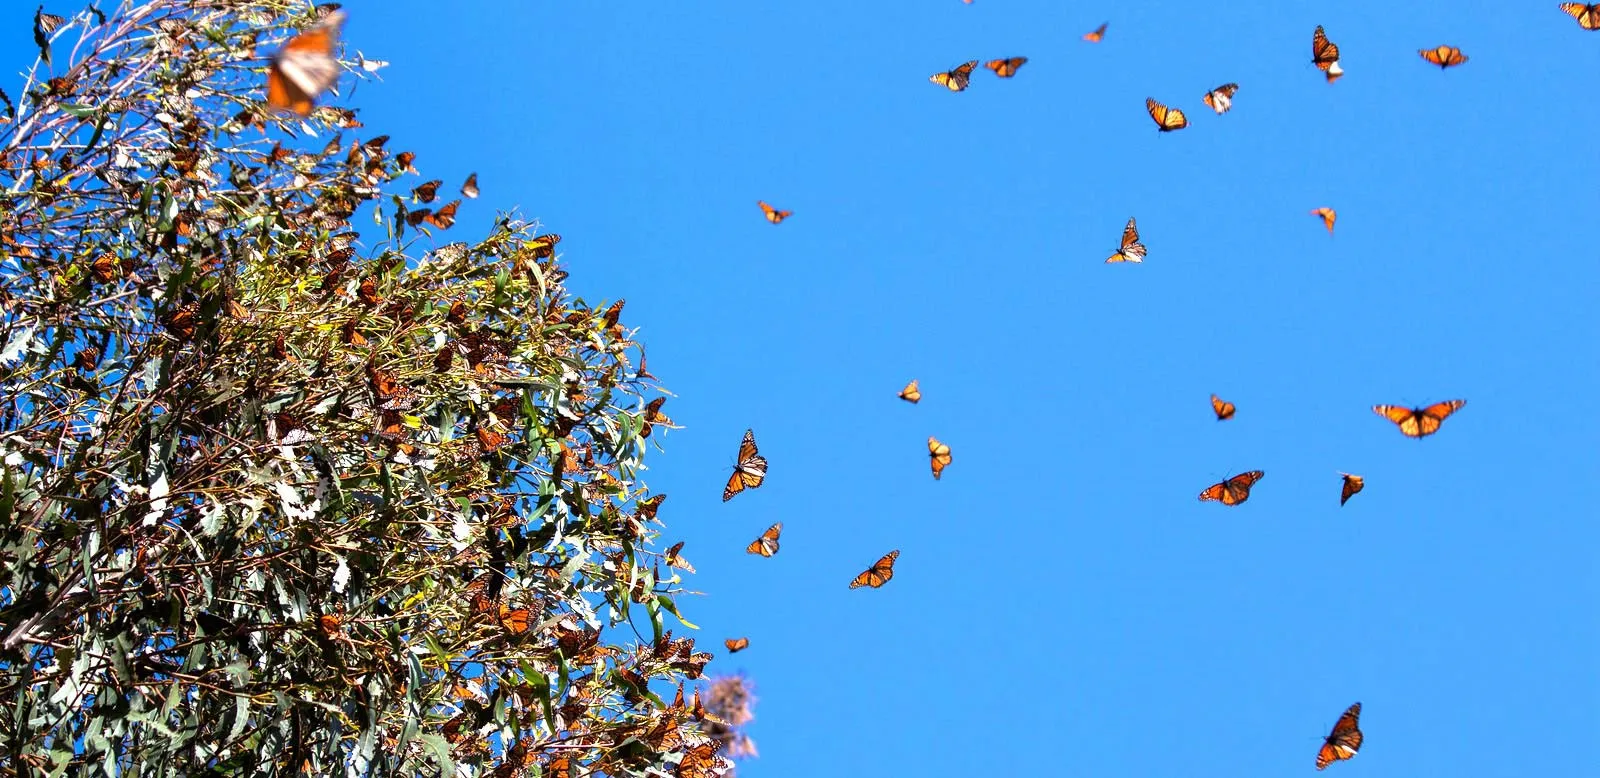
(305, 68)
(1233, 491)
(1221, 98)
(879, 573)
(674, 558)
(1325, 55)
(938, 456)
(767, 544)
(911, 393)
(1222, 408)
(1098, 35)
(1352, 484)
(1006, 68)
(1419, 422)
(735, 645)
(1344, 741)
(749, 471)
(1167, 119)
(1328, 217)
(957, 79)
(469, 188)
(1443, 56)
(773, 215)
(1588, 16)
(1132, 250)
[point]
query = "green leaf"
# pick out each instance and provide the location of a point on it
(669, 606)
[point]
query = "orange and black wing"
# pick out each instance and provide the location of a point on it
(749, 471)
(1131, 249)
(1588, 15)
(767, 544)
(1221, 98)
(1325, 55)
(957, 79)
(305, 67)
(774, 215)
(1443, 56)
(469, 188)
(911, 394)
(735, 645)
(1099, 34)
(879, 573)
(1006, 68)
(1352, 484)
(1233, 491)
(1419, 422)
(1344, 741)
(1328, 217)
(1166, 119)
(938, 456)
(1222, 408)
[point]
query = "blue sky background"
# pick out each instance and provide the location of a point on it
(1063, 605)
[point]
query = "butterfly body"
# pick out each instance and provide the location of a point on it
(1443, 56)
(1131, 250)
(773, 215)
(1586, 14)
(1325, 55)
(305, 67)
(1097, 35)
(938, 456)
(767, 544)
(1006, 68)
(1328, 217)
(1222, 408)
(957, 78)
(912, 393)
(750, 471)
(879, 573)
(1221, 98)
(1234, 490)
(1419, 422)
(1345, 739)
(1352, 484)
(1166, 119)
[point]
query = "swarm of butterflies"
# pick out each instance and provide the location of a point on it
(305, 67)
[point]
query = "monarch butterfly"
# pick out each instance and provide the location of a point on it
(1345, 739)
(653, 416)
(469, 188)
(515, 620)
(702, 761)
(735, 645)
(673, 559)
(489, 440)
(1443, 56)
(879, 573)
(614, 313)
(749, 471)
(1419, 422)
(1328, 216)
(1233, 491)
(1006, 68)
(1221, 98)
(428, 191)
(1352, 484)
(1588, 16)
(938, 456)
(957, 79)
(767, 544)
(1098, 35)
(1167, 119)
(444, 217)
(1222, 408)
(773, 215)
(43, 25)
(1325, 55)
(911, 393)
(331, 624)
(1132, 250)
(481, 596)
(304, 68)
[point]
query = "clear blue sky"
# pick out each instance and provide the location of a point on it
(1063, 605)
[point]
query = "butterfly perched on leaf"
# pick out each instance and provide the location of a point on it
(1233, 491)
(735, 645)
(428, 191)
(957, 79)
(653, 416)
(1221, 98)
(767, 544)
(938, 456)
(1325, 55)
(1328, 217)
(1352, 484)
(1345, 739)
(43, 25)
(911, 394)
(469, 188)
(1419, 422)
(305, 68)
(515, 620)
(1588, 15)
(749, 471)
(1006, 68)
(1166, 119)
(1099, 34)
(1131, 250)
(773, 215)
(1443, 56)
(1222, 408)
(879, 573)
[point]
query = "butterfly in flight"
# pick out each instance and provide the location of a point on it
(1233, 491)
(1132, 250)
(767, 544)
(1328, 217)
(1352, 484)
(749, 471)
(305, 68)
(957, 79)
(1098, 35)
(911, 394)
(1344, 741)
(674, 558)
(469, 188)
(773, 215)
(1419, 422)
(1588, 15)
(1006, 68)
(1443, 56)
(43, 25)
(653, 416)
(735, 645)
(1221, 98)
(1325, 55)
(1167, 119)
(879, 573)
(938, 456)
(1222, 408)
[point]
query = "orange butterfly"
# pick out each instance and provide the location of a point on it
(427, 191)
(1221, 98)
(1443, 56)
(1352, 484)
(1167, 119)
(480, 598)
(879, 573)
(1006, 68)
(1325, 55)
(957, 79)
(1588, 16)
(773, 215)
(1098, 35)
(515, 620)
(1132, 250)
(938, 456)
(331, 624)
(470, 187)
(1222, 408)
(1344, 741)
(1328, 216)
(1233, 491)
(674, 559)
(749, 471)
(767, 544)
(1419, 422)
(735, 645)
(304, 68)
(653, 416)
(911, 393)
